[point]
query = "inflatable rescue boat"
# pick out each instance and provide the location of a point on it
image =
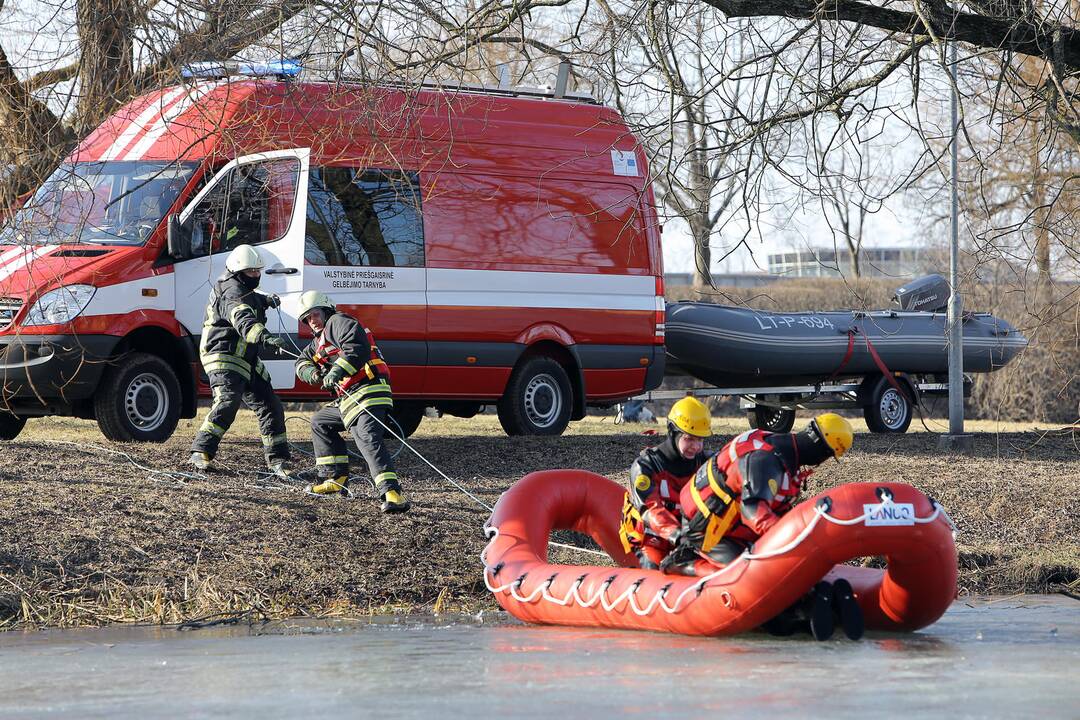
(889, 520)
(741, 347)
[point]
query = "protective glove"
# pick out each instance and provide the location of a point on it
(683, 553)
(308, 374)
(333, 377)
(273, 341)
(273, 301)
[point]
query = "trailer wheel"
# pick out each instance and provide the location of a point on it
(10, 426)
(889, 410)
(538, 399)
(138, 399)
(773, 419)
(407, 415)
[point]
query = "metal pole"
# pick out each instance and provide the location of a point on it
(956, 439)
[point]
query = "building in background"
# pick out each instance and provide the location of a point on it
(874, 262)
(729, 280)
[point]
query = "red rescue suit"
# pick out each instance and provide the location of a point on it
(741, 492)
(651, 515)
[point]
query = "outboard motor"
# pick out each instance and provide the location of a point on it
(928, 294)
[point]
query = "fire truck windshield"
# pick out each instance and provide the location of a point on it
(108, 203)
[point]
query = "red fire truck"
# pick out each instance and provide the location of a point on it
(503, 247)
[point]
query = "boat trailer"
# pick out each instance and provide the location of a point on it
(888, 404)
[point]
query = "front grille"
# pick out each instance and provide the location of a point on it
(9, 308)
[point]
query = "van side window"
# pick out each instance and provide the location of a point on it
(253, 204)
(364, 217)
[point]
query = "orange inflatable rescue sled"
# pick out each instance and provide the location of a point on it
(891, 520)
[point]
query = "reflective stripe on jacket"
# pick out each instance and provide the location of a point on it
(234, 325)
(346, 343)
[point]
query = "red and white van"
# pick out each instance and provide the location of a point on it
(503, 248)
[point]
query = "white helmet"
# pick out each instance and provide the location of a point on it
(313, 299)
(243, 257)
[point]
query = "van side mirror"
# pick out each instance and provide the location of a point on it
(177, 239)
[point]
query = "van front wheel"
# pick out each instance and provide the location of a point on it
(138, 399)
(10, 426)
(538, 399)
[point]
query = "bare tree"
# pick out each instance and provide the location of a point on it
(113, 50)
(657, 66)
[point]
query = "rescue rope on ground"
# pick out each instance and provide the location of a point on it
(477, 500)
(660, 599)
(418, 454)
(177, 476)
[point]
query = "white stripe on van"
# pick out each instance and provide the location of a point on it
(13, 253)
(482, 288)
(140, 123)
(167, 116)
(510, 288)
(131, 296)
(24, 261)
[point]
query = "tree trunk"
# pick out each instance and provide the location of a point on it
(854, 251)
(702, 259)
(106, 68)
(1042, 233)
(32, 138)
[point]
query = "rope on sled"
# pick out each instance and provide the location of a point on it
(629, 596)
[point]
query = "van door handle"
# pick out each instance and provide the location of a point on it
(282, 271)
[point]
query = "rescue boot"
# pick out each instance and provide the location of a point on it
(329, 486)
(821, 611)
(202, 461)
(394, 502)
(846, 609)
(281, 468)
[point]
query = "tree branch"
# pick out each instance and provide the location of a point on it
(998, 33)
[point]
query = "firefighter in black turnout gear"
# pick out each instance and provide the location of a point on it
(344, 359)
(233, 329)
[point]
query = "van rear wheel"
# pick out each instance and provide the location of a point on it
(10, 426)
(138, 399)
(537, 400)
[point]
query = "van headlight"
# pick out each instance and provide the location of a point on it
(59, 306)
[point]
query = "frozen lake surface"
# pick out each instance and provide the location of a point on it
(989, 657)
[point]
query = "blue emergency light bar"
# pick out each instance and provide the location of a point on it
(281, 69)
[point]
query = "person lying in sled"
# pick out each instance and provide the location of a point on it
(344, 359)
(651, 517)
(741, 492)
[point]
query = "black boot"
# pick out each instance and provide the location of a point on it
(812, 613)
(783, 625)
(847, 609)
(821, 611)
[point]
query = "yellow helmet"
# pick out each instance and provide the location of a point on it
(314, 299)
(690, 416)
(835, 431)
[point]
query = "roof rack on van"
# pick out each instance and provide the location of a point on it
(559, 92)
(291, 70)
